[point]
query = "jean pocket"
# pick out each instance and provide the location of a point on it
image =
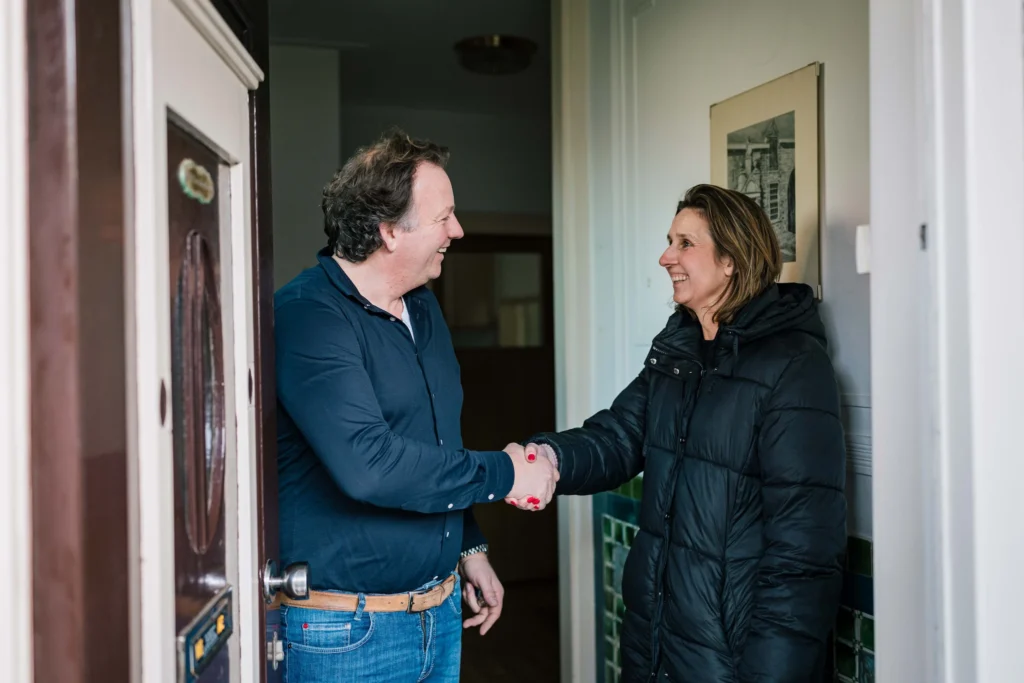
(455, 602)
(343, 633)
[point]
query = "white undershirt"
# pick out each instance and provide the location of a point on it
(406, 319)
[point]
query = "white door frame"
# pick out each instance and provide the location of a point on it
(947, 318)
(207, 83)
(16, 645)
(974, 84)
(574, 332)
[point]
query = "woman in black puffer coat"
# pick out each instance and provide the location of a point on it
(735, 574)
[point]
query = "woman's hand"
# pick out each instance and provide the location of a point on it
(533, 451)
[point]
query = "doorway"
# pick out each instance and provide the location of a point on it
(496, 295)
(339, 78)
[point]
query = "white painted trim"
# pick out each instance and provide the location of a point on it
(16, 644)
(574, 326)
(858, 453)
(152, 448)
(994, 155)
(900, 299)
(211, 26)
(856, 400)
(245, 418)
(974, 113)
(183, 60)
(951, 655)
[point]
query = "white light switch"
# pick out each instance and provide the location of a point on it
(863, 245)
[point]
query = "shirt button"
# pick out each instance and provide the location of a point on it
(392, 320)
(435, 578)
(490, 497)
(440, 442)
(446, 534)
(451, 505)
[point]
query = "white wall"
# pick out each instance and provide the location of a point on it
(499, 164)
(655, 74)
(305, 150)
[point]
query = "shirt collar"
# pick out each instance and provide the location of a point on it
(344, 284)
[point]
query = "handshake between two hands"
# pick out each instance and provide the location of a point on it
(536, 473)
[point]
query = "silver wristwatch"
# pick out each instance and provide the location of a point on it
(482, 548)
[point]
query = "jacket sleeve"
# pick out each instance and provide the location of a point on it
(802, 459)
(323, 385)
(607, 451)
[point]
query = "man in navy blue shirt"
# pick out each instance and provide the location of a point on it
(375, 488)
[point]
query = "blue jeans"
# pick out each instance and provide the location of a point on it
(335, 647)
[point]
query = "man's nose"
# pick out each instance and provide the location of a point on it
(455, 229)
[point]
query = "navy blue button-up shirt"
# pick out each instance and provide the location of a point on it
(374, 486)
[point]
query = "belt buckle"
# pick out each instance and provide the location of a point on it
(413, 603)
(423, 595)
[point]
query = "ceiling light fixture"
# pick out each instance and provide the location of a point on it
(495, 55)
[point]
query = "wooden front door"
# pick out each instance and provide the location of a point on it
(202, 347)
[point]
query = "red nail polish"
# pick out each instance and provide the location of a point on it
(531, 457)
(533, 501)
(536, 507)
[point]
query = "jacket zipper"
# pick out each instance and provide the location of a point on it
(663, 559)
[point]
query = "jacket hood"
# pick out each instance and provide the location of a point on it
(780, 308)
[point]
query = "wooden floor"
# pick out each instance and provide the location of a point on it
(523, 645)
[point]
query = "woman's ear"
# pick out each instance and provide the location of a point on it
(728, 266)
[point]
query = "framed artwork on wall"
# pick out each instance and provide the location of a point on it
(765, 143)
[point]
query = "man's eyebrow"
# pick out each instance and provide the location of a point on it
(449, 210)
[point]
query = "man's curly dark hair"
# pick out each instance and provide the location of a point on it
(374, 187)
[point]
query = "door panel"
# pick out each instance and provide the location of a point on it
(197, 197)
(194, 348)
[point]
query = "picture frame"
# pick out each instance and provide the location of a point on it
(765, 142)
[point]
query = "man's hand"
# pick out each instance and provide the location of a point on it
(535, 453)
(478, 575)
(535, 478)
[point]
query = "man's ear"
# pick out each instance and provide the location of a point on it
(388, 235)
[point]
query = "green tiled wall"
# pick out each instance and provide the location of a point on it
(854, 637)
(617, 537)
(853, 652)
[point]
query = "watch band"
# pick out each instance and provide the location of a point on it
(482, 548)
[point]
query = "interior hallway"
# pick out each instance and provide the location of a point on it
(523, 644)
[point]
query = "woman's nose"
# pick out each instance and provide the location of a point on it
(665, 259)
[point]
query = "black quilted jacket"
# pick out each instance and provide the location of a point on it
(735, 574)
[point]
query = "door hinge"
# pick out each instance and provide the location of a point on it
(275, 652)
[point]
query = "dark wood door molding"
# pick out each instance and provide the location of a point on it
(58, 598)
(76, 182)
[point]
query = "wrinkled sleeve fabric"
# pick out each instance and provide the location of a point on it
(607, 451)
(323, 385)
(802, 460)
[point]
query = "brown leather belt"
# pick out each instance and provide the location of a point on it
(400, 602)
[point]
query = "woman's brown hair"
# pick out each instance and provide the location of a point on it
(742, 232)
